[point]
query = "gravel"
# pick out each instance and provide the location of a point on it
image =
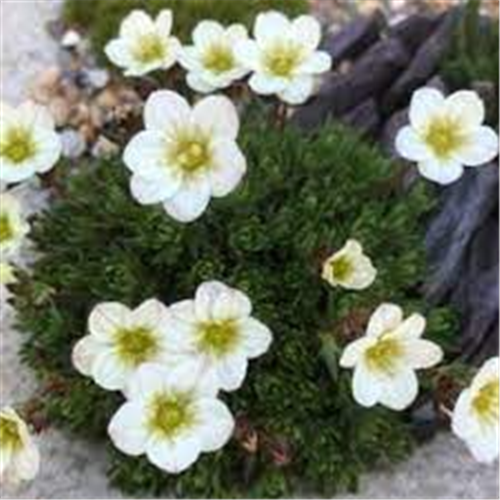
(74, 469)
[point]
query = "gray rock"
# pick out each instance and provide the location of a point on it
(365, 118)
(73, 144)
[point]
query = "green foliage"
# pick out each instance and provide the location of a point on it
(302, 198)
(102, 18)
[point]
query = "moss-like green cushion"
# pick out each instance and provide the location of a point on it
(301, 198)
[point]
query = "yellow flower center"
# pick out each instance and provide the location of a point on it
(218, 58)
(169, 414)
(135, 345)
(384, 355)
(282, 58)
(18, 145)
(341, 268)
(6, 229)
(149, 48)
(10, 436)
(218, 339)
(190, 152)
(486, 403)
(443, 136)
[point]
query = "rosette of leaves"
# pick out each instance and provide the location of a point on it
(298, 428)
(102, 18)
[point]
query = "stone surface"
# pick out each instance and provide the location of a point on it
(75, 469)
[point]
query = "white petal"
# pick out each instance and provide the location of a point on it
(231, 304)
(270, 25)
(106, 318)
(144, 155)
(118, 53)
(174, 455)
(181, 336)
(185, 311)
(410, 146)
(237, 33)
(401, 391)
(189, 58)
(108, 372)
(84, 354)
(216, 424)
(166, 111)
(256, 337)
(148, 379)
(190, 201)
(217, 116)
(386, 317)
(10, 173)
(208, 32)
(49, 150)
(484, 448)
(228, 168)
(467, 107)
(196, 82)
(353, 352)
(150, 191)
(442, 172)
(412, 327)
(423, 354)
(263, 84)
(298, 90)
(127, 429)
(248, 54)
(150, 314)
(36, 116)
(480, 147)
(164, 22)
(231, 372)
(27, 462)
(307, 30)
(206, 296)
(464, 425)
(366, 388)
(424, 104)
(135, 24)
(318, 62)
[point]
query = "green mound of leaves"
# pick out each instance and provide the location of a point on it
(102, 18)
(299, 428)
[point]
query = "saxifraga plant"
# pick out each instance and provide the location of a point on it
(303, 196)
(102, 18)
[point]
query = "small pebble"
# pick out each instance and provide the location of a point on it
(97, 78)
(71, 39)
(73, 144)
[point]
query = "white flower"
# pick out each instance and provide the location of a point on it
(211, 61)
(446, 133)
(120, 341)
(19, 456)
(476, 414)
(284, 56)
(28, 142)
(385, 359)
(186, 155)
(216, 336)
(13, 226)
(349, 267)
(170, 419)
(144, 44)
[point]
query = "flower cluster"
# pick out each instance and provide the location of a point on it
(283, 58)
(170, 363)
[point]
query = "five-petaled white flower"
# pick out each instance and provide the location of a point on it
(476, 414)
(170, 418)
(284, 56)
(186, 155)
(216, 336)
(13, 226)
(144, 44)
(120, 341)
(446, 134)
(349, 267)
(19, 456)
(28, 142)
(211, 61)
(385, 359)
